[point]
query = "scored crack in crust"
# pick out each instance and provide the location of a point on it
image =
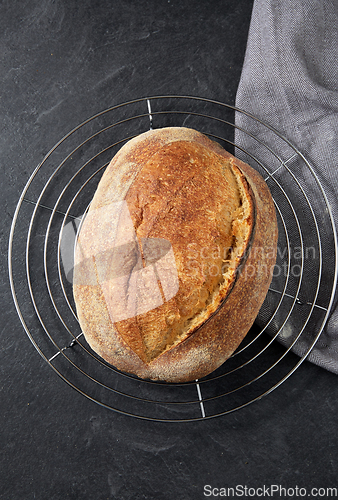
(169, 299)
(182, 188)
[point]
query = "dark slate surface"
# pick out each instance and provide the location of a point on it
(61, 62)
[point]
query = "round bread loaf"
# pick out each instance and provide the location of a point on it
(175, 256)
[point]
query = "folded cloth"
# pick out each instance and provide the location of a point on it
(290, 81)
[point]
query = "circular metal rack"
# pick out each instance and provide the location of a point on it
(295, 310)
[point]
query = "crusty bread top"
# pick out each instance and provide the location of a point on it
(178, 189)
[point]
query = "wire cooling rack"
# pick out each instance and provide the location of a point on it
(290, 321)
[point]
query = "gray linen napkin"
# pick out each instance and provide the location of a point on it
(290, 81)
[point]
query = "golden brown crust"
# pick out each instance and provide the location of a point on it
(179, 205)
